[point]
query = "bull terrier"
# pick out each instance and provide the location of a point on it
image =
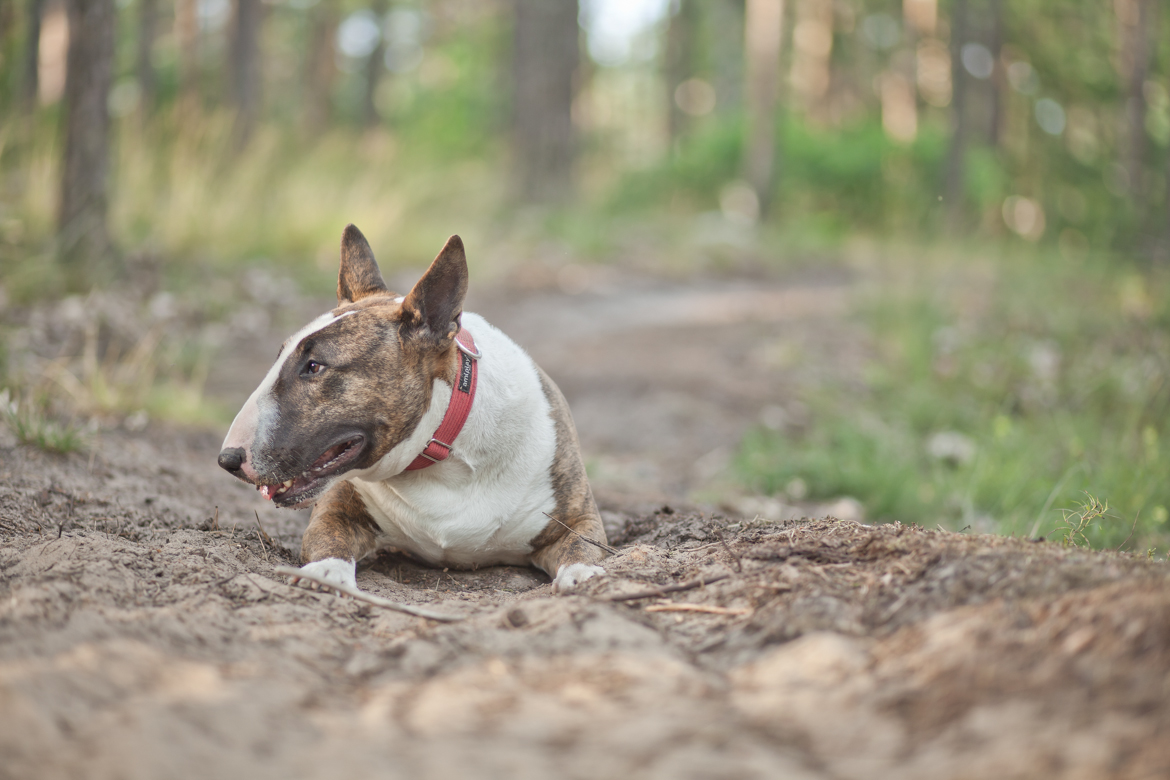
(410, 425)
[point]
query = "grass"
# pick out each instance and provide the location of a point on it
(33, 426)
(1077, 522)
(999, 390)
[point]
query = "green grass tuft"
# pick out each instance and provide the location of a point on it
(34, 427)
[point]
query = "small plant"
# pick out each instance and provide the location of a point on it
(32, 426)
(1077, 522)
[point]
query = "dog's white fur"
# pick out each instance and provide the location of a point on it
(502, 456)
(334, 570)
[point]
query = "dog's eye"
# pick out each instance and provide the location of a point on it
(313, 367)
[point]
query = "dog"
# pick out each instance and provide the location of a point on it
(413, 426)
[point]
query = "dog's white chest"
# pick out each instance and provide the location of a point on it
(471, 530)
(486, 503)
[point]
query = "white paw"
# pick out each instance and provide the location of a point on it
(331, 571)
(574, 574)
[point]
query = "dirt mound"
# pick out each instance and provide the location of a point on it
(143, 634)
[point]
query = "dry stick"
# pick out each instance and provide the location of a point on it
(711, 610)
(260, 525)
(215, 520)
(648, 594)
(1135, 519)
(369, 598)
(263, 547)
(734, 558)
(594, 542)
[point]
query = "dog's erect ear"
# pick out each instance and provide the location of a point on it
(359, 274)
(435, 303)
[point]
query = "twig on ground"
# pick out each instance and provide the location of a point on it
(225, 580)
(263, 547)
(263, 533)
(649, 594)
(712, 610)
(734, 558)
(215, 520)
(260, 525)
(368, 598)
(1131, 528)
(594, 542)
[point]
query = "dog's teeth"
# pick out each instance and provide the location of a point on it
(287, 484)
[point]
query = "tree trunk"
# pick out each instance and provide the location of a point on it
(955, 173)
(1135, 104)
(680, 65)
(83, 234)
(544, 61)
(999, 85)
(763, 26)
(147, 33)
(375, 67)
(321, 68)
(723, 28)
(187, 35)
(245, 68)
(32, 50)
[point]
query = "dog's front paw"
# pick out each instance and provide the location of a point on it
(324, 574)
(573, 574)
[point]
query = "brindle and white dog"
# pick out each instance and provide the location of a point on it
(346, 422)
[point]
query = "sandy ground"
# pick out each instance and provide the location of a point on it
(144, 633)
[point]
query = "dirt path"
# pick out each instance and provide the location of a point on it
(137, 640)
(144, 633)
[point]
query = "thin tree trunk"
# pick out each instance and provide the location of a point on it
(955, 174)
(1135, 104)
(999, 84)
(147, 33)
(544, 61)
(187, 34)
(1166, 221)
(680, 55)
(245, 68)
(726, 53)
(763, 26)
(375, 67)
(32, 51)
(84, 236)
(320, 68)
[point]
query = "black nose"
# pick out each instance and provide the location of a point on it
(231, 459)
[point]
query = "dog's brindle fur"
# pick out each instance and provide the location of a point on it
(380, 359)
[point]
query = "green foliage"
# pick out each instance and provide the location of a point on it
(998, 392)
(33, 425)
(1076, 522)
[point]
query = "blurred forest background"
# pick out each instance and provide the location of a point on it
(996, 173)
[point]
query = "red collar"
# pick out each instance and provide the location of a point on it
(462, 394)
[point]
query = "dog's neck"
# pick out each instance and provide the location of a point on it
(442, 442)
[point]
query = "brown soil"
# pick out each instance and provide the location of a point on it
(143, 633)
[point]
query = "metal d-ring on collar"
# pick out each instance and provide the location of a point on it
(474, 353)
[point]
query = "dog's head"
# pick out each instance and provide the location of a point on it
(354, 382)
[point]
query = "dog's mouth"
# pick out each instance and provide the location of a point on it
(300, 489)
